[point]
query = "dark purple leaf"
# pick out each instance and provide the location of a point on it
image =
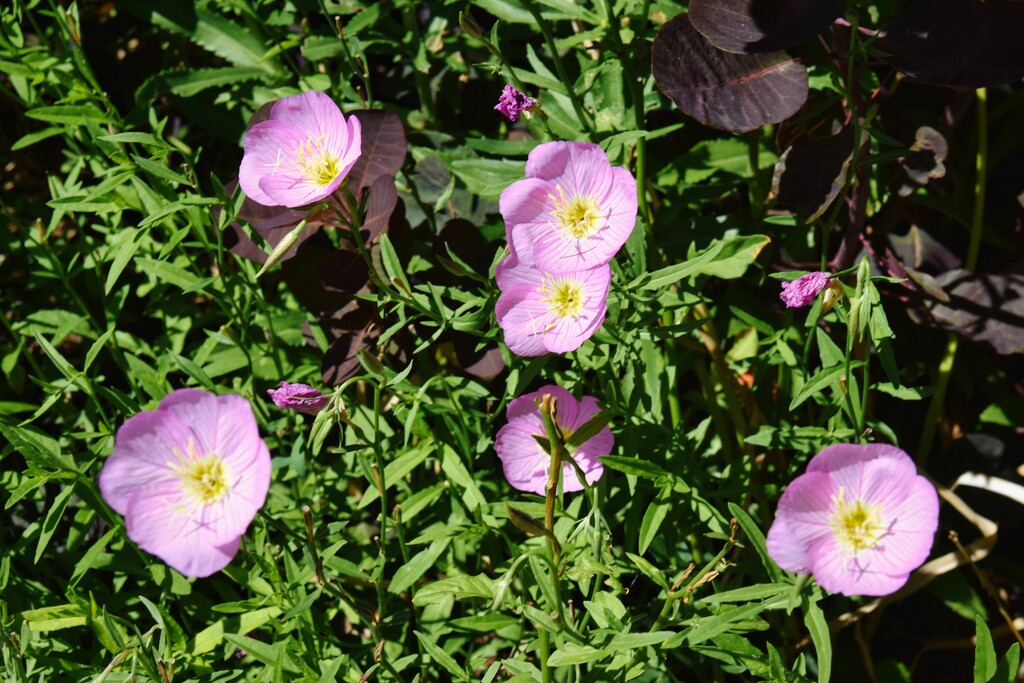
(484, 363)
(762, 25)
(811, 172)
(383, 147)
(379, 207)
(324, 278)
(349, 332)
(966, 43)
(735, 92)
(465, 240)
(988, 309)
(918, 249)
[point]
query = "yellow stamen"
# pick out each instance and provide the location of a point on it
(564, 298)
(580, 215)
(320, 166)
(206, 478)
(856, 525)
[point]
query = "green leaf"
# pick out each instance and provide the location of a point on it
(649, 570)
(56, 618)
(410, 572)
(571, 654)
(1006, 672)
(736, 256)
(459, 587)
(822, 379)
(70, 114)
(53, 516)
(817, 626)
(36, 136)
(441, 657)
(588, 430)
(37, 448)
(634, 466)
(757, 540)
(451, 465)
(655, 514)
(705, 629)
(392, 266)
(189, 83)
(984, 653)
(225, 38)
(673, 274)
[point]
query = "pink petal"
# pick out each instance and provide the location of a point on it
(175, 534)
(144, 455)
(911, 533)
(838, 572)
(267, 150)
(525, 464)
(802, 519)
(524, 319)
(580, 167)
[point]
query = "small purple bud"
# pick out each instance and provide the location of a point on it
(802, 291)
(512, 102)
(300, 397)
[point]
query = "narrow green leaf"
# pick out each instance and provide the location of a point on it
(70, 114)
(757, 540)
(634, 466)
(588, 430)
(984, 653)
(821, 380)
(410, 572)
(817, 626)
(441, 657)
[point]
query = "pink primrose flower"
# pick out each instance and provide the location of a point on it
(301, 153)
(860, 520)
(573, 211)
(526, 464)
(188, 478)
(803, 290)
(300, 397)
(512, 102)
(541, 313)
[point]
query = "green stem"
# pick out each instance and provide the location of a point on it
(637, 95)
(981, 164)
(931, 422)
(422, 79)
(549, 38)
(557, 451)
(545, 652)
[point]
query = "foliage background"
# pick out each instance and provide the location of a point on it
(390, 545)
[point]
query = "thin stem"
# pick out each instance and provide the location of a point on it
(557, 448)
(981, 164)
(931, 421)
(637, 95)
(549, 38)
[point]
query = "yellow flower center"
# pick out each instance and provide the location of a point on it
(564, 297)
(320, 166)
(580, 215)
(857, 525)
(205, 479)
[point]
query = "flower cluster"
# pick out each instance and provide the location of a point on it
(188, 478)
(301, 153)
(564, 223)
(527, 465)
(860, 520)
